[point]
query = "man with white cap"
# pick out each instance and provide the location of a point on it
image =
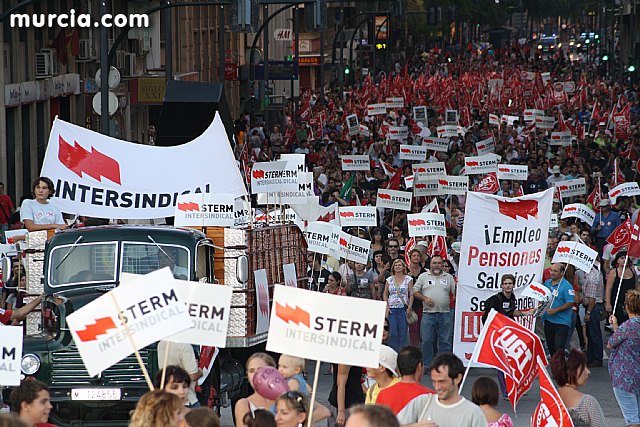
(385, 374)
(605, 222)
(555, 176)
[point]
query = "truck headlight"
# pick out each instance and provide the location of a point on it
(30, 364)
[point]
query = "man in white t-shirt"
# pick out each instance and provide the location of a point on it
(38, 214)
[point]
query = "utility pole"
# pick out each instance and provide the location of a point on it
(104, 73)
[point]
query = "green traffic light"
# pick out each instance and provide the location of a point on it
(347, 70)
(631, 68)
(587, 41)
(605, 57)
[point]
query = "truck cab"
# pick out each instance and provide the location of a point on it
(76, 266)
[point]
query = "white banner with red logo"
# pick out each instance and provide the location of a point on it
(270, 177)
(436, 144)
(478, 165)
(149, 304)
(394, 199)
(319, 239)
(486, 146)
(562, 139)
(376, 109)
(449, 184)
(447, 131)
(262, 300)
(580, 211)
(396, 102)
(530, 114)
(423, 171)
(514, 172)
(512, 239)
(426, 224)
(11, 355)
(413, 152)
(572, 187)
(428, 187)
(398, 133)
(104, 177)
(325, 327)
(357, 162)
(205, 210)
(494, 119)
(354, 248)
(575, 253)
(545, 122)
(511, 348)
(551, 410)
(626, 189)
(358, 216)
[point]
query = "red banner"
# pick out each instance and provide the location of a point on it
(551, 410)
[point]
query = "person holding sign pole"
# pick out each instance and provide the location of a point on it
(621, 279)
(557, 318)
(398, 294)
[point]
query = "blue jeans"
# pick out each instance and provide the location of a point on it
(572, 328)
(435, 326)
(629, 405)
(595, 347)
(398, 328)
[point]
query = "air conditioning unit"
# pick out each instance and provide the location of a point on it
(87, 52)
(136, 46)
(46, 63)
(129, 65)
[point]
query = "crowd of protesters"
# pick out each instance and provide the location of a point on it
(418, 276)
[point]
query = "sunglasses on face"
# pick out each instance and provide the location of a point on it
(392, 247)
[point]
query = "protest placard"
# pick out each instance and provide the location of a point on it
(206, 210)
(356, 162)
(10, 354)
(514, 172)
(413, 152)
(477, 165)
(436, 144)
(394, 199)
(449, 184)
(575, 253)
(357, 216)
(426, 224)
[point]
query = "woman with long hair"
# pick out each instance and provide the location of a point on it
(415, 270)
(398, 294)
(629, 282)
(254, 401)
(176, 381)
(624, 360)
(377, 239)
(157, 408)
(570, 374)
(335, 285)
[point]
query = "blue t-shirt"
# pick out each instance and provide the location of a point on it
(565, 294)
(607, 224)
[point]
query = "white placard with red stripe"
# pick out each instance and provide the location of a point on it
(449, 184)
(394, 199)
(562, 139)
(530, 114)
(545, 122)
(423, 171)
(428, 187)
(436, 144)
(358, 216)
(500, 246)
(11, 355)
(426, 224)
(447, 131)
(494, 119)
(514, 172)
(205, 210)
(580, 211)
(270, 177)
(626, 189)
(478, 165)
(413, 152)
(527, 75)
(575, 253)
(354, 248)
(408, 182)
(572, 187)
(376, 109)
(365, 131)
(357, 162)
(395, 102)
(319, 237)
(300, 326)
(398, 133)
(486, 146)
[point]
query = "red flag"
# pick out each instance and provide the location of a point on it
(394, 182)
(594, 198)
(551, 410)
(511, 348)
(438, 246)
(618, 177)
(411, 243)
(620, 237)
(520, 192)
(489, 184)
(634, 241)
(327, 214)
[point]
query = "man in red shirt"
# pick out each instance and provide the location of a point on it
(400, 396)
(8, 316)
(6, 209)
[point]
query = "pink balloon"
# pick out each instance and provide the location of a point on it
(269, 383)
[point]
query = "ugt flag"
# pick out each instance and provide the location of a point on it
(551, 410)
(510, 347)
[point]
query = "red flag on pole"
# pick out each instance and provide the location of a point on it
(551, 410)
(411, 243)
(634, 241)
(511, 348)
(620, 237)
(489, 184)
(594, 198)
(438, 246)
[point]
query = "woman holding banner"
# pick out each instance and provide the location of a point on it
(398, 294)
(621, 279)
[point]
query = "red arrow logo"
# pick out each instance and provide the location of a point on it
(537, 289)
(507, 170)
(188, 207)
(564, 250)
(405, 150)
(293, 314)
(571, 209)
(100, 327)
(348, 161)
(520, 208)
(384, 196)
(258, 174)
(563, 187)
(343, 242)
(347, 214)
(92, 163)
(481, 147)
(473, 163)
(421, 185)
(443, 182)
(416, 222)
(615, 193)
(421, 170)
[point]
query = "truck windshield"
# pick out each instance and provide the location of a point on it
(84, 263)
(143, 258)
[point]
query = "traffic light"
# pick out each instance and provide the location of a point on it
(631, 68)
(347, 70)
(605, 57)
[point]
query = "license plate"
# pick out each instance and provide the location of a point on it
(95, 394)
